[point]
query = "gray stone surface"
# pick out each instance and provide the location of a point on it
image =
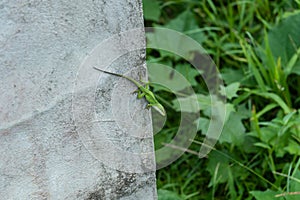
(65, 131)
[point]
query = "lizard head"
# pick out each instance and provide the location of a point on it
(159, 108)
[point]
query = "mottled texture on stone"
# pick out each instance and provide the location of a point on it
(48, 150)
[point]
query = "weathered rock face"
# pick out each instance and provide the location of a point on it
(65, 131)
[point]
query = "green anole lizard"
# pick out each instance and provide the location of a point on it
(143, 91)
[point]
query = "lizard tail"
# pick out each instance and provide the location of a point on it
(108, 72)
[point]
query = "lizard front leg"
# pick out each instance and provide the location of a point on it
(148, 106)
(140, 94)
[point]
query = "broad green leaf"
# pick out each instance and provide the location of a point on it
(173, 44)
(184, 23)
(221, 167)
(249, 146)
(244, 112)
(170, 79)
(213, 125)
(151, 10)
(284, 38)
(167, 195)
(192, 104)
(293, 148)
(231, 90)
(188, 72)
(218, 106)
(232, 75)
(266, 195)
(234, 130)
(216, 159)
(203, 124)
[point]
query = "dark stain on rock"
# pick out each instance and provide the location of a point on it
(97, 195)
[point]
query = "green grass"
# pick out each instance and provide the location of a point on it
(256, 47)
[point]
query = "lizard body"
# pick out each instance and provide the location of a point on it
(143, 91)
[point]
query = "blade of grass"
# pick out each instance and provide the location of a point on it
(252, 65)
(237, 162)
(272, 96)
(266, 110)
(215, 181)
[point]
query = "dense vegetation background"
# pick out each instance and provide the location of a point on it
(256, 46)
